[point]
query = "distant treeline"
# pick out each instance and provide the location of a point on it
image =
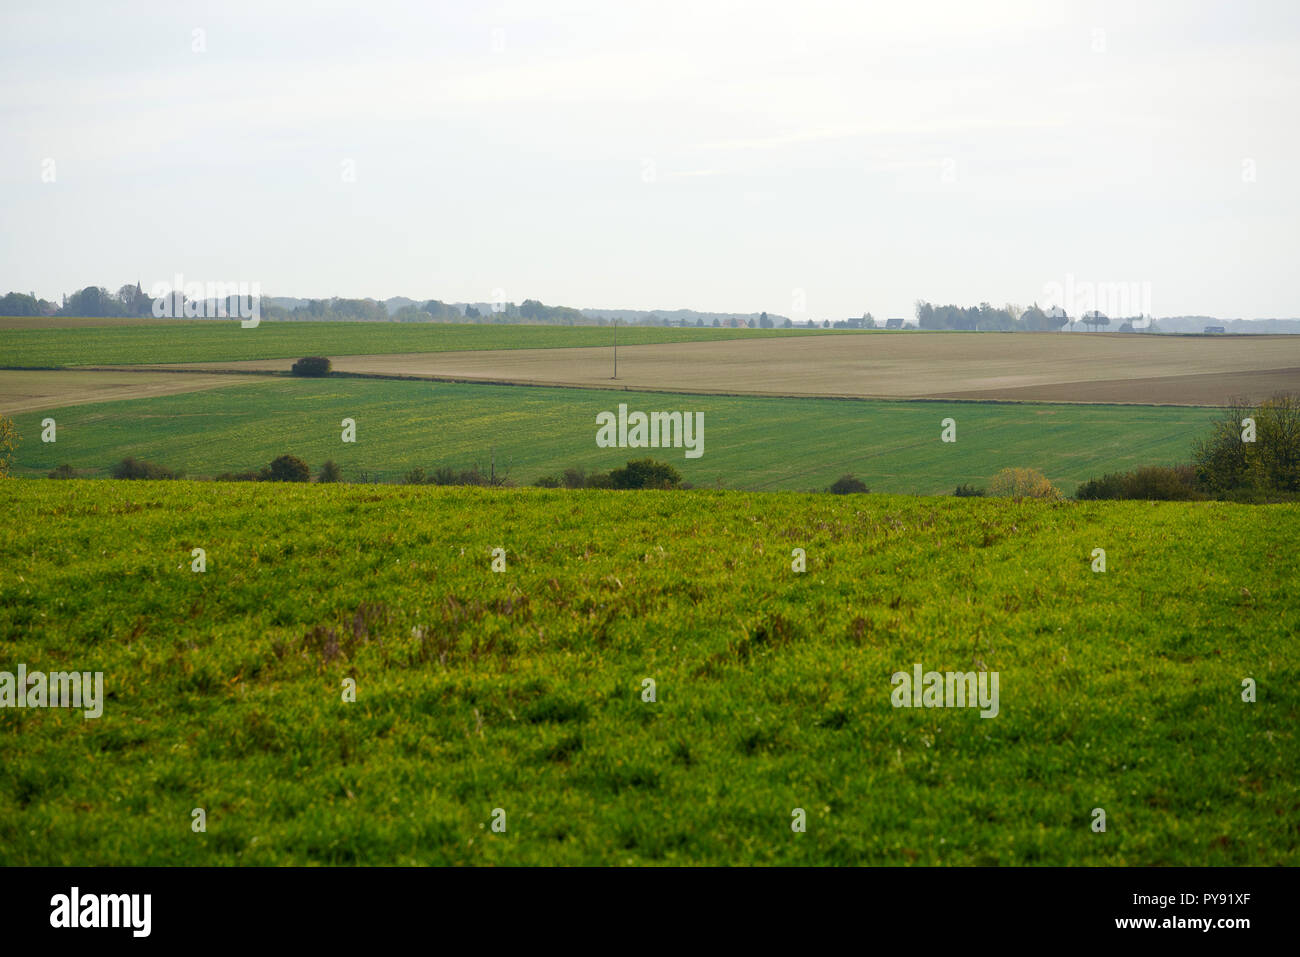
(1012, 318)
(131, 301)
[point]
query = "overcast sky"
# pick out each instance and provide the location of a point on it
(723, 156)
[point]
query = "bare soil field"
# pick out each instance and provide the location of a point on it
(32, 390)
(1207, 388)
(1069, 367)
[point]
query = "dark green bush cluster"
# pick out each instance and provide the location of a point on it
(848, 485)
(1153, 483)
(637, 474)
(645, 473)
(575, 478)
(131, 468)
(969, 491)
(63, 472)
(313, 366)
(286, 468)
(1227, 463)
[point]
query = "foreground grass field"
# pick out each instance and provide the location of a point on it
(135, 342)
(749, 442)
(522, 690)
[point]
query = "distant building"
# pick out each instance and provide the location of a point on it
(893, 323)
(1214, 330)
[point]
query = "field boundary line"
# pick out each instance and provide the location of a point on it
(648, 390)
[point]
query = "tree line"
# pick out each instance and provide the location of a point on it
(130, 301)
(1013, 318)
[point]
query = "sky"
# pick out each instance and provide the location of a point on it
(815, 160)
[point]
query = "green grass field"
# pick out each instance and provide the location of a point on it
(205, 340)
(522, 690)
(749, 442)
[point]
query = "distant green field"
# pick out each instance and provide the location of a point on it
(749, 442)
(523, 690)
(210, 340)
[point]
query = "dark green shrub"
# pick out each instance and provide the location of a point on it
(1110, 486)
(287, 468)
(330, 472)
(847, 485)
(969, 491)
(1225, 461)
(63, 472)
(313, 366)
(1159, 483)
(1153, 483)
(131, 468)
(645, 473)
(547, 481)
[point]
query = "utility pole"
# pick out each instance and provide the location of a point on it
(615, 348)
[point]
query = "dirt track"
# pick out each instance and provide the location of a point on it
(26, 390)
(1069, 367)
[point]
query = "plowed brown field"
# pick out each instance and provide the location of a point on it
(1070, 367)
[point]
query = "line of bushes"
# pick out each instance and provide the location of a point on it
(636, 474)
(286, 468)
(130, 468)
(1252, 454)
(1155, 483)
